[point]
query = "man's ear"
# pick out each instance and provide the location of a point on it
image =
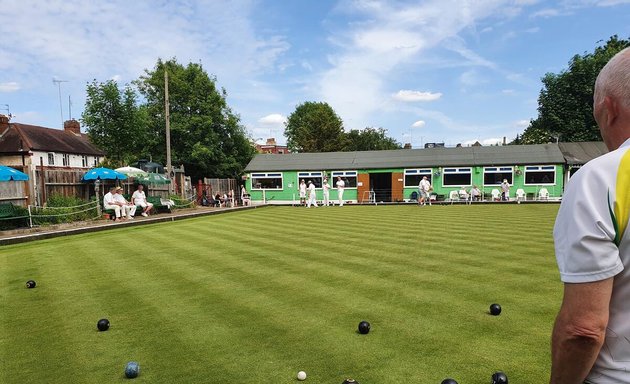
(612, 110)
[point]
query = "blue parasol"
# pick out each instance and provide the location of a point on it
(103, 174)
(10, 174)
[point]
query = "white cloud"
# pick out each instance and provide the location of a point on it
(546, 13)
(508, 92)
(411, 96)
(419, 124)
(522, 124)
(471, 78)
(116, 78)
(11, 86)
(273, 119)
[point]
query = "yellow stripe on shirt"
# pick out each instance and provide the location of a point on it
(622, 198)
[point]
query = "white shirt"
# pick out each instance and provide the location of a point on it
(108, 199)
(326, 187)
(311, 189)
(425, 185)
(340, 184)
(120, 198)
(591, 245)
(139, 197)
(303, 189)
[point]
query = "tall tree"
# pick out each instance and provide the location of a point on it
(565, 104)
(114, 121)
(207, 137)
(314, 127)
(369, 139)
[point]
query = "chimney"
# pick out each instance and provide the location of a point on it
(4, 123)
(271, 141)
(504, 140)
(407, 146)
(72, 126)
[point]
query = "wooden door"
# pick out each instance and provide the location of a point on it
(363, 186)
(397, 186)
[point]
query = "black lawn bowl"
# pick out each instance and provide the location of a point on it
(495, 309)
(31, 284)
(350, 381)
(364, 327)
(449, 381)
(102, 325)
(499, 378)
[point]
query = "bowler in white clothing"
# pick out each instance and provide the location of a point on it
(340, 187)
(140, 199)
(326, 190)
(312, 197)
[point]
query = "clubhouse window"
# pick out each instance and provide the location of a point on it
(456, 177)
(266, 180)
(496, 175)
(349, 178)
(316, 177)
(540, 175)
(413, 176)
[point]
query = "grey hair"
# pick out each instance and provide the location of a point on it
(614, 79)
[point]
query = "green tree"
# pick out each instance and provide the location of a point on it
(369, 139)
(565, 104)
(314, 127)
(207, 137)
(114, 121)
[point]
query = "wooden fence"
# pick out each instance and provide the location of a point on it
(14, 192)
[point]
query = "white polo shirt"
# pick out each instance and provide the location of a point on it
(591, 245)
(139, 197)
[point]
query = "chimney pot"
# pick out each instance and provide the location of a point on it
(72, 126)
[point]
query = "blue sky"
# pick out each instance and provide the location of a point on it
(427, 71)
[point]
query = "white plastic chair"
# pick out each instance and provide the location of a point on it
(543, 194)
(453, 196)
(496, 195)
(520, 195)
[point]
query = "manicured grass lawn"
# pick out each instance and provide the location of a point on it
(255, 296)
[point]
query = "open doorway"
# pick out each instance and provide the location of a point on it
(381, 184)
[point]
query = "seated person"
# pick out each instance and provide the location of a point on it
(475, 193)
(126, 208)
(110, 203)
(218, 199)
(463, 195)
(140, 199)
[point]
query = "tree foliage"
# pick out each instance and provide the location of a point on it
(207, 137)
(370, 139)
(314, 127)
(565, 103)
(114, 121)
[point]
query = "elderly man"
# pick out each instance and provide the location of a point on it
(591, 336)
(140, 199)
(126, 208)
(110, 203)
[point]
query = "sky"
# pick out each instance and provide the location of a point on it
(452, 71)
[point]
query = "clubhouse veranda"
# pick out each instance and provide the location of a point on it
(394, 175)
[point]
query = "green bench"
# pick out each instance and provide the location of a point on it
(157, 206)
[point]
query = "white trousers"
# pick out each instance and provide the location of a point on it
(116, 209)
(326, 198)
(128, 210)
(340, 196)
(312, 200)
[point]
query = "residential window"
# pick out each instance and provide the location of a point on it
(51, 159)
(349, 178)
(96, 161)
(413, 176)
(496, 175)
(266, 180)
(457, 177)
(84, 161)
(540, 175)
(316, 177)
(66, 160)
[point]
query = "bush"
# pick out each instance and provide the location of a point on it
(64, 209)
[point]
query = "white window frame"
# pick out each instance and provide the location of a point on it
(539, 168)
(497, 170)
(416, 172)
(51, 156)
(307, 175)
(454, 171)
(344, 174)
(65, 160)
(267, 175)
(96, 159)
(84, 161)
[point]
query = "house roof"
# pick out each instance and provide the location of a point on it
(409, 158)
(582, 152)
(35, 138)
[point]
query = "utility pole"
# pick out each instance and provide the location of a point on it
(58, 83)
(169, 168)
